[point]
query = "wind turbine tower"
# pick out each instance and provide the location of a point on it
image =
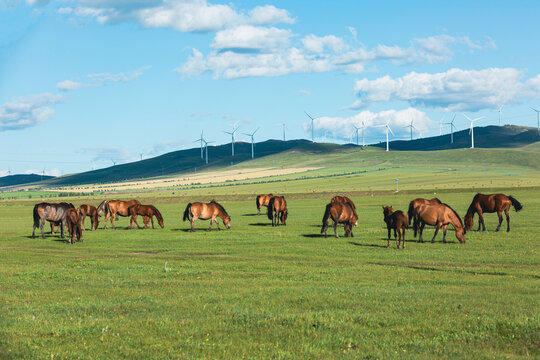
(452, 127)
(500, 113)
(409, 126)
(537, 118)
(235, 128)
(201, 140)
(252, 143)
(312, 127)
(471, 131)
(356, 129)
(387, 126)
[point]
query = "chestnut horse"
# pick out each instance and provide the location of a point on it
(339, 213)
(148, 211)
(211, 211)
(414, 203)
(54, 213)
(262, 200)
(396, 220)
(488, 204)
(344, 200)
(277, 210)
(73, 222)
(88, 210)
(113, 208)
(438, 215)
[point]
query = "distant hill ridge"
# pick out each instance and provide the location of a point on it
(20, 179)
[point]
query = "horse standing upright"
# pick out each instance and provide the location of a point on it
(113, 208)
(340, 213)
(488, 204)
(277, 210)
(145, 210)
(211, 210)
(438, 215)
(396, 220)
(55, 213)
(88, 210)
(419, 201)
(262, 200)
(73, 222)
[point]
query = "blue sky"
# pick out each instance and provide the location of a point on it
(88, 83)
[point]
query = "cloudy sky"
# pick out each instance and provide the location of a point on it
(91, 83)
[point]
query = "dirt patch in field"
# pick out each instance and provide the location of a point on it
(145, 252)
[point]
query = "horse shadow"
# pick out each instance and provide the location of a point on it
(260, 224)
(312, 236)
(251, 215)
(367, 245)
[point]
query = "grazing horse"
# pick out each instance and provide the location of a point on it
(262, 200)
(277, 210)
(488, 204)
(113, 208)
(344, 200)
(418, 201)
(340, 213)
(396, 220)
(145, 210)
(88, 210)
(55, 213)
(211, 211)
(73, 222)
(438, 215)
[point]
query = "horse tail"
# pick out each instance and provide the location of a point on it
(410, 212)
(187, 212)
(326, 217)
(258, 202)
(37, 218)
(517, 205)
(270, 208)
(406, 223)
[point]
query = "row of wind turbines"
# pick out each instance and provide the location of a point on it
(363, 127)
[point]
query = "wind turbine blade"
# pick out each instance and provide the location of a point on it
(454, 118)
(535, 110)
(468, 118)
(256, 130)
(309, 116)
(478, 118)
(390, 129)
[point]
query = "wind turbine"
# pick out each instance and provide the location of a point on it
(312, 126)
(387, 126)
(232, 136)
(252, 145)
(537, 118)
(471, 131)
(452, 127)
(410, 126)
(500, 113)
(201, 141)
(206, 148)
(356, 129)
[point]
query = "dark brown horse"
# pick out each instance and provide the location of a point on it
(211, 210)
(113, 208)
(418, 201)
(148, 211)
(262, 200)
(488, 204)
(344, 200)
(73, 222)
(396, 220)
(277, 210)
(340, 213)
(55, 213)
(88, 210)
(438, 215)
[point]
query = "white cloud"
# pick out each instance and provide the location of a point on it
(317, 44)
(304, 92)
(27, 111)
(343, 127)
(453, 90)
(109, 154)
(101, 79)
(69, 85)
(247, 37)
(268, 15)
(48, 172)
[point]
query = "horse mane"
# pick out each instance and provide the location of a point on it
(455, 213)
(158, 214)
(219, 207)
(437, 200)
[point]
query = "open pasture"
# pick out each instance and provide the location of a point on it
(255, 291)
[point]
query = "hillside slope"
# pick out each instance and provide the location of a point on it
(20, 179)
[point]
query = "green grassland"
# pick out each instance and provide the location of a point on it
(255, 291)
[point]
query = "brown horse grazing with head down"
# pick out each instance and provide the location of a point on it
(396, 220)
(113, 208)
(488, 204)
(277, 210)
(211, 211)
(73, 222)
(55, 213)
(418, 201)
(262, 200)
(88, 210)
(438, 215)
(145, 210)
(343, 200)
(340, 213)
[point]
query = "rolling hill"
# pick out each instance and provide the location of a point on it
(20, 179)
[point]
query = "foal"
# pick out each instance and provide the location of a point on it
(396, 220)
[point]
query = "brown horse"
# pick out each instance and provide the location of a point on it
(262, 200)
(438, 215)
(418, 201)
(88, 210)
(73, 222)
(396, 220)
(55, 213)
(277, 210)
(340, 213)
(113, 208)
(488, 204)
(211, 211)
(148, 211)
(344, 200)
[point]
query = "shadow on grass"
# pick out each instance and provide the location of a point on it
(252, 215)
(187, 230)
(260, 224)
(367, 245)
(314, 235)
(431, 268)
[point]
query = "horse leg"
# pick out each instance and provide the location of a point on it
(62, 228)
(106, 218)
(507, 220)
(152, 221)
(82, 222)
(499, 214)
(421, 231)
(445, 227)
(436, 231)
(481, 219)
(389, 232)
(42, 226)
(335, 230)
(403, 238)
(112, 219)
(211, 221)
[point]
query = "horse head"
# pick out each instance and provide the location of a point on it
(469, 222)
(227, 222)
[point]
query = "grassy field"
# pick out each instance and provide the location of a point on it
(260, 292)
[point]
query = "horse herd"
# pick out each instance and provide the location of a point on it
(341, 210)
